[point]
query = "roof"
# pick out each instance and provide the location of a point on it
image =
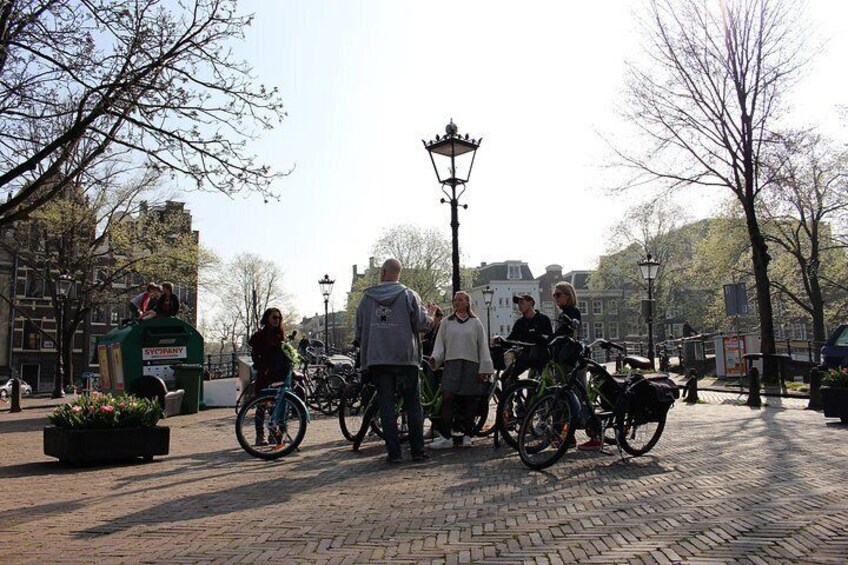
(490, 272)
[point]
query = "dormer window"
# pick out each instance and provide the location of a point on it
(513, 272)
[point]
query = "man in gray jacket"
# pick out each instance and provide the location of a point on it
(389, 319)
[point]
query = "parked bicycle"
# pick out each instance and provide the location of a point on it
(273, 424)
(628, 411)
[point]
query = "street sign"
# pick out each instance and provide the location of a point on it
(735, 299)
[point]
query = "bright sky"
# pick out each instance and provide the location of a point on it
(364, 81)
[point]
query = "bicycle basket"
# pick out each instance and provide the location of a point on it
(497, 352)
(566, 352)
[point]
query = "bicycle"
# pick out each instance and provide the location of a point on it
(633, 407)
(278, 417)
(323, 388)
(521, 393)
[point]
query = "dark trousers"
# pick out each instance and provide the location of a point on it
(390, 380)
(458, 410)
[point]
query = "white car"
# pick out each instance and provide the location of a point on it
(6, 389)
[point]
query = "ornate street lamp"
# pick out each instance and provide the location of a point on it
(326, 285)
(649, 268)
(455, 155)
(63, 284)
(488, 294)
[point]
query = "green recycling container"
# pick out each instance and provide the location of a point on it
(136, 352)
(189, 377)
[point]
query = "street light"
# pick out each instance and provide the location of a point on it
(488, 293)
(326, 285)
(460, 151)
(63, 284)
(649, 268)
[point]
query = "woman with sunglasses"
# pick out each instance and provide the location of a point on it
(269, 360)
(566, 299)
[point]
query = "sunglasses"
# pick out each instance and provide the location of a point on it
(276, 318)
(556, 294)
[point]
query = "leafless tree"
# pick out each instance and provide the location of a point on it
(706, 100)
(156, 83)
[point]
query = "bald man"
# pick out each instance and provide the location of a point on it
(389, 320)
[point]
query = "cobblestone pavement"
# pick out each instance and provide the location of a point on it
(725, 484)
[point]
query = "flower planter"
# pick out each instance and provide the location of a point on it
(77, 446)
(835, 402)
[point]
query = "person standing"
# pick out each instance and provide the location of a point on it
(389, 320)
(144, 302)
(463, 347)
(568, 320)
(168, 304)
(270, 361)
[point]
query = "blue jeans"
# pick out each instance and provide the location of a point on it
(390, 380)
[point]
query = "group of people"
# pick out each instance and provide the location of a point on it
(391, 318)
(156, 300)
(396, 331)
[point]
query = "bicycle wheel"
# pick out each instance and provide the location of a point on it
(354, 401)
(245, 397)
(400, 419)
(636, 434)
(512, 407)
(547, 429)
(329, 393)
(258, 436)
(485, 418)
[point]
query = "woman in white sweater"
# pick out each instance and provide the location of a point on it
(463, 347)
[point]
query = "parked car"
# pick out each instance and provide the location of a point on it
(6, 389)
(834, 354)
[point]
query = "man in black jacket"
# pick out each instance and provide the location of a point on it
(528, 328)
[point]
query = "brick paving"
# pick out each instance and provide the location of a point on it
(725, 484)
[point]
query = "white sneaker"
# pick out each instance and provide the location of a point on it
(442, 443)
(466, 442)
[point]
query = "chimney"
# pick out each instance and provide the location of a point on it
(354, 273)
(482, 263)
(372, 262)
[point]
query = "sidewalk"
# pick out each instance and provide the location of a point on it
(725, 484)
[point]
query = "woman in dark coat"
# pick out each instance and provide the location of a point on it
(271, 363)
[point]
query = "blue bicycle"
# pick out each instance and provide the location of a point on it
(273, 424)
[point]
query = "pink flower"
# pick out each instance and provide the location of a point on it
(91, 409)
(122, 405)
(107, 408)
(76, 409)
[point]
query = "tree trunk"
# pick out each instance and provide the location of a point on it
(760, 259)
(817, 304)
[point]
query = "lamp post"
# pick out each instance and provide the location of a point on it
(326, 285)
(488, 293)
(63, 285)
(649, 268)
(458, 153)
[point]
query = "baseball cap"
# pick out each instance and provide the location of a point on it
(524, 296)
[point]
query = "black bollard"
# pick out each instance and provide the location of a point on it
(692, 388)
(754, 399)
(16, 396)
(815, 390)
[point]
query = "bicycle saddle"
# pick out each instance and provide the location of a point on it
(637, 362)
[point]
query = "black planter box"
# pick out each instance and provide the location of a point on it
(90, 446)
(835, 403)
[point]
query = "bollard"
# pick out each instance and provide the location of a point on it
(692, 388)
(16, 396)
(754, 399)
(815, 390)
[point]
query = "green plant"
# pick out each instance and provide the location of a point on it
(102, 411)
(291, 353)
(837, 378)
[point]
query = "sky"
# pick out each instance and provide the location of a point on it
(365, 81)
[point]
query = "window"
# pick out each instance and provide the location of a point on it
(612, 307)
(635, 328)
(582, 306)
(34, 285)
(116, 315)
(597, 307)
(98, 315)
(513, 272)
(92, 348)
(32, 336)
(613, 330)
(599, 330)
